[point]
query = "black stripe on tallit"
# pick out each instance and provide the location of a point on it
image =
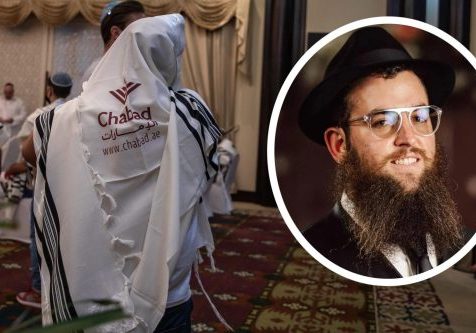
(60, 298)
(196, 136)
(202, 112)
(210, 156)
(65, 309)
(46, 254)
(41, 126)
(193, 113)
(197, 115)
(215, 133)
(203, 108)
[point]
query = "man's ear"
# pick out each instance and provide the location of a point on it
(48, 91)
(335, 142)
(115, 32)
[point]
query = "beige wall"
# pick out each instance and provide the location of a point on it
(325, 15)
(248, 102)
(472, 33)
(33, 47)
(23, 60)
(322, 16)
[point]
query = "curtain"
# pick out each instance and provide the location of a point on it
(216, 33)
(207, 14)
(209, 67)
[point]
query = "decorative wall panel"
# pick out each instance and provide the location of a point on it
(75, 46)
(23, 60)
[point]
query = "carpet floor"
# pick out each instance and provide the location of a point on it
(265, 282)
(14, 277)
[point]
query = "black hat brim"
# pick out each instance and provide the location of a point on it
(315, 115)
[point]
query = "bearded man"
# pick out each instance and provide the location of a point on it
(377, 111)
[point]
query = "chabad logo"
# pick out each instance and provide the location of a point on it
(122, 93)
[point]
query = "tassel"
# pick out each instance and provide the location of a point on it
(109, 220)
(215, 310)
(212, 260)
(199, 257)
(125, 242)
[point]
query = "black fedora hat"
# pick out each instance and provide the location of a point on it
(367, 50)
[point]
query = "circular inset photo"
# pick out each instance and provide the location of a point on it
(371, 149)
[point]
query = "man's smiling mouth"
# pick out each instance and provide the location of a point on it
(406, 161)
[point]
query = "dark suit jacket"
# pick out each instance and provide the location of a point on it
(332, 238)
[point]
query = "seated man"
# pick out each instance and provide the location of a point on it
(121, 173)
(377, 111)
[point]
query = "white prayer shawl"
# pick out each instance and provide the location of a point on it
(121, 172)
(29, 123)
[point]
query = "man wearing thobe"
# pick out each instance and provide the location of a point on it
(12, 110)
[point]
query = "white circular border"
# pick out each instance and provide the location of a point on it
(271, 157)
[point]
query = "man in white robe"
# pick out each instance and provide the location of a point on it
(12, 110)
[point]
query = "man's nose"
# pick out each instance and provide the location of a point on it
(406, 135)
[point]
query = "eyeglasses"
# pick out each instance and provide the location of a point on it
(424, 120)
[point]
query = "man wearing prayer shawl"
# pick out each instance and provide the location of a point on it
(121, 172)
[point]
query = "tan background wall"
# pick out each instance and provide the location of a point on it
(24, 50)
(322, 16)
(32, 48)
(325, 16)
(472, 33)
(248, 99)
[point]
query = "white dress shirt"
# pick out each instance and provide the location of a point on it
(15, 109)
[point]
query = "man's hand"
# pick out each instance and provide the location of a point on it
(15, 169)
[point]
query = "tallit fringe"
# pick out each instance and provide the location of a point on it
(109, 220)
(116, 240)
(197, 276)
(210, 250)
(108, 204)
(212, 260)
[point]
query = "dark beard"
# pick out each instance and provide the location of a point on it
(389, 215)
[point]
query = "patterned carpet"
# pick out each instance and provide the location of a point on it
(265, 282)
(14, 277)
(408, 309)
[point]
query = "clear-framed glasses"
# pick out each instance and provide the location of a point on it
(424, 120)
